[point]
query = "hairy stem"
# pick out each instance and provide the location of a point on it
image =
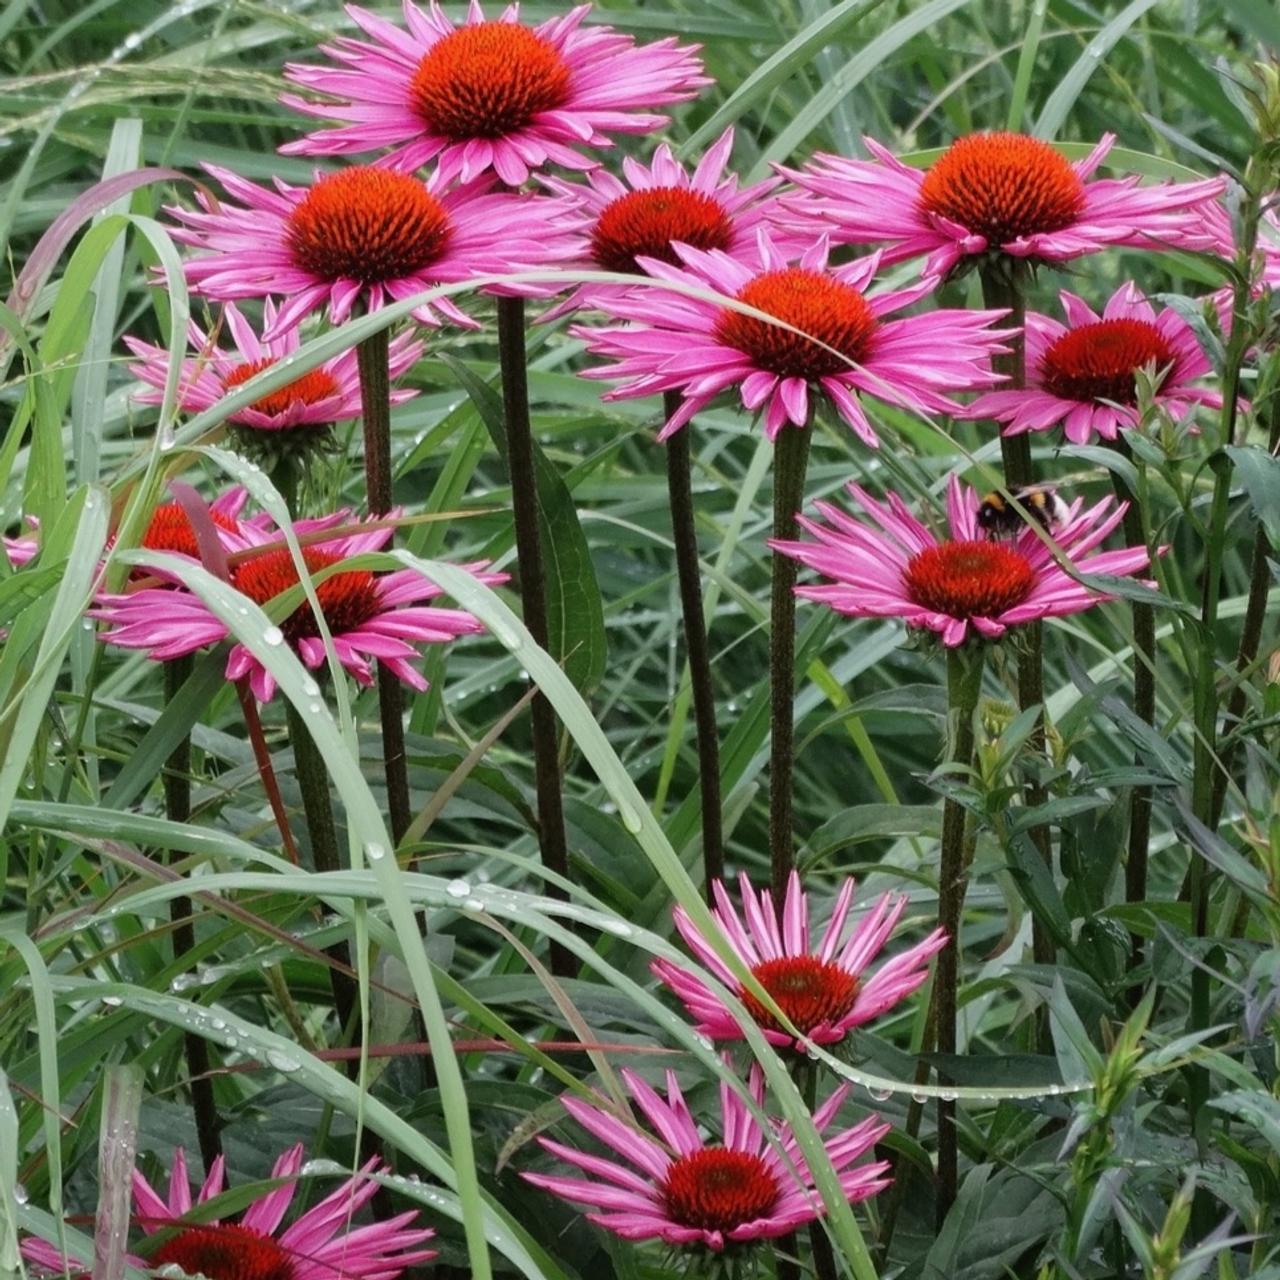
(790, 462)
(177, 808)
(1002, 287)
(964, 682)
(685, 537)
(317, 803)
(552, 841)
(375, 398)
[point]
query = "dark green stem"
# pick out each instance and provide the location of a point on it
(317, 804)
(964, 683)
(372, 356)
(824, 1261)
(1205, 693)
(1144, 707)
(552, 841)
(1255, 615)
(790, 462)
(177, 808)
(684, 535)
(1002, 288)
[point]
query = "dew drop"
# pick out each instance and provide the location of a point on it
(917, 1096)
(314, 708)
(309, 687)
(374, 852)
(114, 1001)
(282, 1061)
(273, 636)
(458, 889)
(630, 819)
(880, 1095)
(948, 1096)
(20, 1193)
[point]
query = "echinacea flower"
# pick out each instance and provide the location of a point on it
(821, 988)
(997, 193)
(368, 234)
(682, 1189)
(370, 616)
(1083, 374)
(675, 342)
(489, 94)
(654, 207)
(890, 565)
(319, 1245)
(169, 528)
(327, 394)
(1267, 255)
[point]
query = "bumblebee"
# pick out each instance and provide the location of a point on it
(1000, 519)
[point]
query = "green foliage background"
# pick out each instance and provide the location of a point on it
(98, 89)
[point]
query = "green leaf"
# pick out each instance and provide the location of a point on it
(1054, 113)
(575, 608)
(1259, 472)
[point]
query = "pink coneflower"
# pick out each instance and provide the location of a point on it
(701, 349)
(820, 988)
(317, 1246)
(892, 566)
(997, 192)
(1084, 374)
(489, 94)
(370, 616)
(169, 528)
(368, 234)
(650, 209)
(327, 394)
(690, 1191)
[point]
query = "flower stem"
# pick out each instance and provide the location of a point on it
(1255, 614)
(824, 1262)
(317, 803)
(552, 841)
(790, 462)
(177, 808)
(1144, 707)
(372, 356)
(964, 682)
(1002, 287)
(685, 537)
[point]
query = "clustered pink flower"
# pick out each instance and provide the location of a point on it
(890, 565)
(320, 1244)
(834, 339)
(369, 235)
(491, 94)
(1082, 375)
(822, 987)
(370, 616)
(327, 394)
(997, 193)
(683, 1189)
